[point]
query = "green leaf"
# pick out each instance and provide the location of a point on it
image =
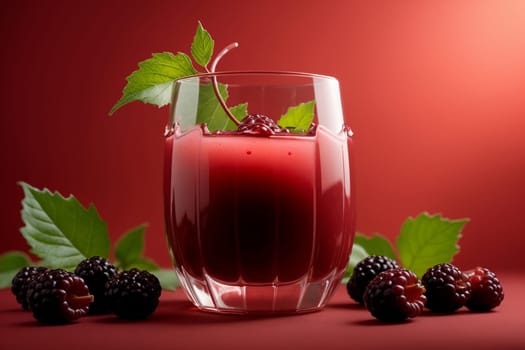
(167, 278)
(428, 240)
(153, 81)
(141, 263)
(60, 230)
(376, 245)
(298, 118)
(202, 46)
(129, 251)
(210, 111)
(358, 254)
(130, 246)
(10, 263)
(240, 112)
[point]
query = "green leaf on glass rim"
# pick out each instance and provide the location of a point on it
(60, 230)
(358, 254)
(428, 240)
(202, 46)
(130, 246)
(298, 118)
(10, 263)
(240, 111)
(153, 82)
(210, 111)
(376, 245)
(167, 278)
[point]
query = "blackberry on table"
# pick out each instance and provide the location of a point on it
(365, 271)
(447, 288)
(487, 292)
(133, 294)
(21, 280)
(395, 295)
(57, 296)
(95, 272)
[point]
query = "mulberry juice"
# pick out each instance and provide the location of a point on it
(258, 224)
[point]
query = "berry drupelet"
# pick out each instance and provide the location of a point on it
(57, 296)
(259, 125)
(395, 295)
(21, 280)
(447, 288)
(95, 272)
(133, 294)
(364, 272)
(487, 292)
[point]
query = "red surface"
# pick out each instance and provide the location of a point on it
(434, 91)
(341, 325)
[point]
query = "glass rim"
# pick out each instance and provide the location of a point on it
(275, 73)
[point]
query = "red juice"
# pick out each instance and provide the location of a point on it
(258, 211)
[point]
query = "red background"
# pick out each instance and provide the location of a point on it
(434, 90)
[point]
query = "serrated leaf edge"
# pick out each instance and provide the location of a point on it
(435, 218)
(202, 42)
(131, 96)
(37, 247)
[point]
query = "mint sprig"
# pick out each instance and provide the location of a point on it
(61, 232)
(152, 83)
(423, 242)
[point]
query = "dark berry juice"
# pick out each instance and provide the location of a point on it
(254, 222)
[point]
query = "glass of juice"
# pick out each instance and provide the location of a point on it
(259, 214)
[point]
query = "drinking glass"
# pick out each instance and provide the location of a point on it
(258, 223)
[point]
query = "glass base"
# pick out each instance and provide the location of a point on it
(266, 299)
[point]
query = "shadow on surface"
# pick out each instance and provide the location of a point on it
(184, 313)
(375, 322)
(460, 312)
(349, 306)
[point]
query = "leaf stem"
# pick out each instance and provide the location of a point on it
(216, 85)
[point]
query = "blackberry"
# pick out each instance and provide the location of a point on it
(133, 294)
(487, 292)
(57, 296)
(447, 288)
(21, 281)
(395, 295)
(364, 272)
(258, 125)
(95, 272)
